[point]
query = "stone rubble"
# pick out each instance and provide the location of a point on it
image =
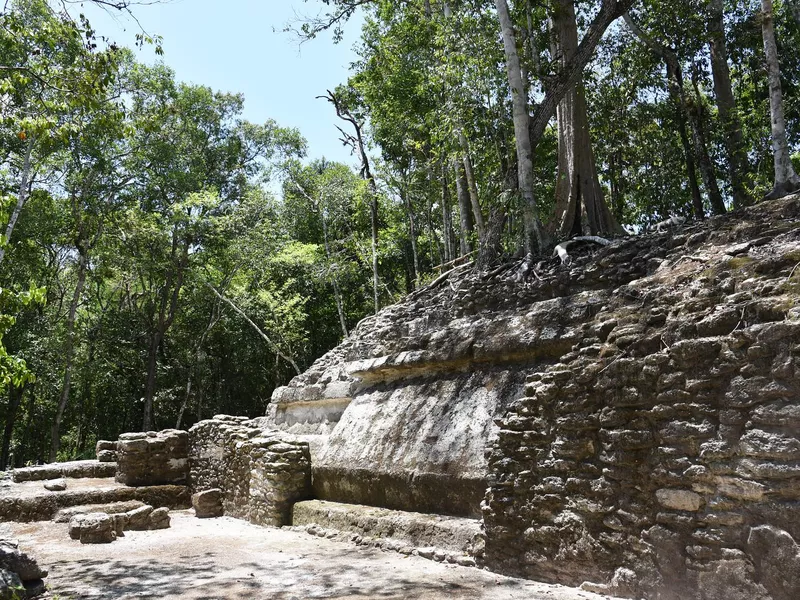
(103, 528)
(208, 503)
(20, 575)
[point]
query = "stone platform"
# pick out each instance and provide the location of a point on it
(453, 539)
(29, 501)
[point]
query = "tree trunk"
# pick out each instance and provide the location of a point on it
(21, 197)
(447, 219)
(578, 191)
(168, 306)
(412, 234)
(675, 82)
(69, 354)
(697, 118)
(738, 168)
(464, 209)
(20, 457)
(14, 400)
(678, 93)
(336, 293)
(535, 237)
(472, 186)
(786, 180)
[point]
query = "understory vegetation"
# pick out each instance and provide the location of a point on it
(163, 260)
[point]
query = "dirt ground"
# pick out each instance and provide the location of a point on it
(226, 559)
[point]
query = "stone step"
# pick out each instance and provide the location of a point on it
(439, 537)
(71, 470)
(29, 501)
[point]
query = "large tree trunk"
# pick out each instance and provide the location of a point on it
(536, 238)
(738, 168)
(69, 353)
(464, 208)
(786, 180)
(578, 192)
(528, 131)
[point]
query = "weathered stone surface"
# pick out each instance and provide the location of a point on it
(158, 518)
(45, 505)
(261, 474)
(157, 459)
(207, 503)
(139, 518)
(453, 535)
(679, 499)
(56, 485)
(106, 451)
(75, 469)
(776, 556)
(112, 508)
(107, 456)
(92, 528)
(15, 560)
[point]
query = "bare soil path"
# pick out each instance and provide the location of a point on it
(226, 559)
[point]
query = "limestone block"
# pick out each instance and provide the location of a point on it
(679, 499)
(207, 503)
(139, 518)
(762, 444)
(107, 456)
(121, 521)
(92, 528)
(732, 579)
(159, 518)
(55, 485)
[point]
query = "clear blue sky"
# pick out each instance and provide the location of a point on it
(239, 46)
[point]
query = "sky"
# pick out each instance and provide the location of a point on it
(238, 46)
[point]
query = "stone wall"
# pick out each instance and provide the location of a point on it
(665, 446)
(261, 473)
(153, 458)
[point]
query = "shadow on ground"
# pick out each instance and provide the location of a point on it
(199, 577)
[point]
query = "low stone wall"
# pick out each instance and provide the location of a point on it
(153, 458)
(261, 474)
(45, 506)
(75, 469)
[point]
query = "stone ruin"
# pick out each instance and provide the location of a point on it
(628, 422)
